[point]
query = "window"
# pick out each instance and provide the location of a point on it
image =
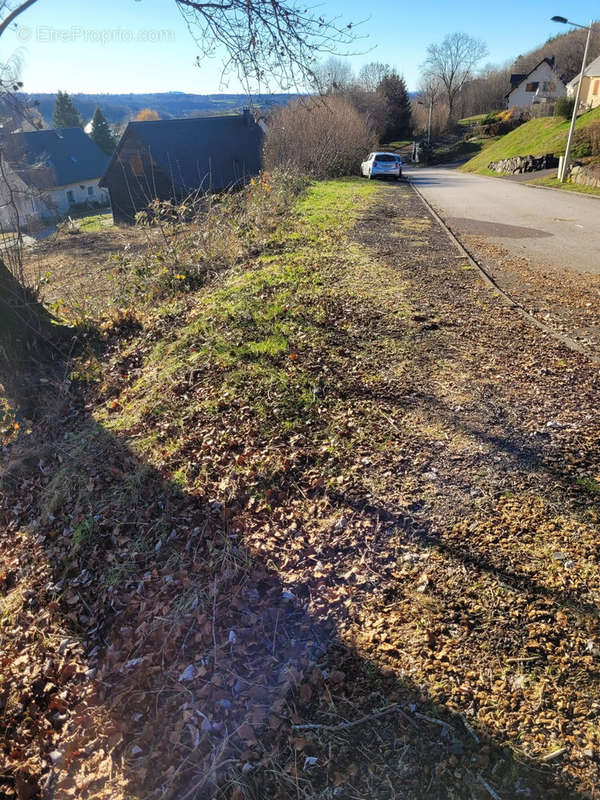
(384, 157)
(135, 162)
(532, 87)
(70, 197)
(596, 87)
(91, 191)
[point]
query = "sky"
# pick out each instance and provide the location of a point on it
(122, 46)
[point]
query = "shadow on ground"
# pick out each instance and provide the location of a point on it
(195, 671)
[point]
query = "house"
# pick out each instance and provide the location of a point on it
(170, 159)
(590, 88)
(47, 172)
(541, 86)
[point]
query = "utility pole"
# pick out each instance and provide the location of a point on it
(429, 123)
(565, 21)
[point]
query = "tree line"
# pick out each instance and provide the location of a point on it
(454, 85)
(66, 115)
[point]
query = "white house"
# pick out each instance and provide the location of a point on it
(541, 86)
(47, 172)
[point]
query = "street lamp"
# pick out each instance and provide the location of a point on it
(565, 21)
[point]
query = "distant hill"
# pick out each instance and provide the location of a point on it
(121, 108)
(567, 48)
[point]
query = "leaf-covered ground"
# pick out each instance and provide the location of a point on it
(326, 528)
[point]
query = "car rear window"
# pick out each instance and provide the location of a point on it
(385, 157)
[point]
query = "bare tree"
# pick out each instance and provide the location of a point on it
(267, 42)
(321, 139)
(486, 92)
(370, 75)
(333, 76)
(452, 62)
(431, 97)
(567, 50)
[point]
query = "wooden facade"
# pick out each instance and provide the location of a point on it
(169, 159)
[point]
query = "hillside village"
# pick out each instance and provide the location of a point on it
(299, 420)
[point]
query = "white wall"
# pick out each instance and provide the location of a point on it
(60, 199)
(543, 74)
(23, 205)
(19, 204)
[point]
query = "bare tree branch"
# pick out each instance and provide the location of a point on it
(268, 42)
(14, 14)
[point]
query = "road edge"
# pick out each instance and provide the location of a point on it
(489, 281)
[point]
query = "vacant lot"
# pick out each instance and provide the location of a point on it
(326, 527)
(77, 269)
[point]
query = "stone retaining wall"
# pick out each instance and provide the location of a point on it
(519, 164)
(585, 176)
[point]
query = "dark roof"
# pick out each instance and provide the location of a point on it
(54, 157)
(187, 149)
(517, 77)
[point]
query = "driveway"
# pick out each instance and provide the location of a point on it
(553, 228)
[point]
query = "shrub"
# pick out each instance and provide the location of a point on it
(582, 146)
(564, 107)
(586, 141)
(323, 137)
(203, 236)
(490, 119)
(593, 130)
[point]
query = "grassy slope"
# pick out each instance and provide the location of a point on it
(474, 120)
(536, 137)
(257, 330)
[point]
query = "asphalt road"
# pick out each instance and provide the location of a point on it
(553, 228)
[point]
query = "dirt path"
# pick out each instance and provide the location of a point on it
(474, 493)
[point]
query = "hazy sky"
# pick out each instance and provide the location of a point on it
(144, 45)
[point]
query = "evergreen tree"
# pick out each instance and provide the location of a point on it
(101, 133)
(393, 89)
(65, 114)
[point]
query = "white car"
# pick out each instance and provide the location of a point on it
(382, 165)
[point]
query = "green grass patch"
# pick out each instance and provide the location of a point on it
(589, 485)
(397, 145)
(554, 183)
(91, 223)
(459, 150)
(536, 137)
(253, 339)
(476, 119)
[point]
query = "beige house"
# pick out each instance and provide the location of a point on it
(590, 88)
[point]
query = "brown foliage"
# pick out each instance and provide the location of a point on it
(324, 138)
(147, 115)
